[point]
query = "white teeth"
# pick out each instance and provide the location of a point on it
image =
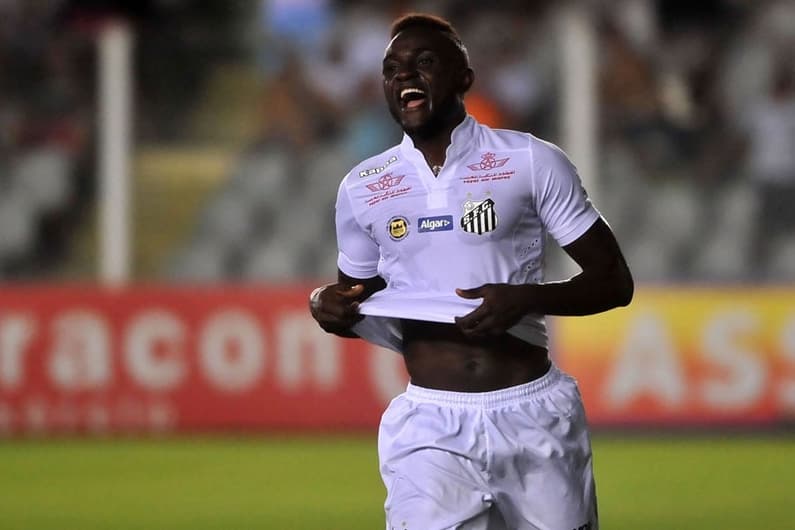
(406, 91)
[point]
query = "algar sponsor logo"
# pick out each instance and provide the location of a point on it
(439, 223)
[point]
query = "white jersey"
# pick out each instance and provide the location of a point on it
(483, 219)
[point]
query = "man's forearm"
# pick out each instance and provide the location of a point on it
(580, 295)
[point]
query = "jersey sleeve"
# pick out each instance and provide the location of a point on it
(561, 200)
(358, 253)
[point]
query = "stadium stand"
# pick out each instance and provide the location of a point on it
(291, 119)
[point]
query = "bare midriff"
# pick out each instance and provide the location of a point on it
(439, 356)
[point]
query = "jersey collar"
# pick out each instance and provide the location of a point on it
(460, 140)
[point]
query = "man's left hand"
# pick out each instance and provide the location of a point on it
(502, 307)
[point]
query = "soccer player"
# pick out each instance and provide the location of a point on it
(441, 249)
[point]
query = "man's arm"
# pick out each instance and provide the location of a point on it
(335, 306)
(604, 283)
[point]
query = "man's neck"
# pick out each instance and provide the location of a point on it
(433, 143)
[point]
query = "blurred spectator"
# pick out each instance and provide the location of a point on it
(329, 73)
(516, 60)
(292, 26)
(45, 133)
(770, 140)
(294, 116)
(631, 104)
(484, 109)
(368, 128)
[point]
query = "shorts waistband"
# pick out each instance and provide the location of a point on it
(495, 398)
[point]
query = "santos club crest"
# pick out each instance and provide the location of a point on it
(479, 216)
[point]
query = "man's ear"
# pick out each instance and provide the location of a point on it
(467, 78)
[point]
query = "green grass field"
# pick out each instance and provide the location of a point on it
(331, 483)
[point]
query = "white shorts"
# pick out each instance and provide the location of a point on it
(518, 458)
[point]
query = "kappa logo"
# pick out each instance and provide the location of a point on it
(385, 182)
(439, 223)
(488, 161)
(398, 227)
(379, 169)
(479, 217)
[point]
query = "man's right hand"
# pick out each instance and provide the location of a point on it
(335, 307)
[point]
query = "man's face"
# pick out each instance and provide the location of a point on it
(422, 73)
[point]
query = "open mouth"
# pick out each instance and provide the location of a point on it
(412, 98)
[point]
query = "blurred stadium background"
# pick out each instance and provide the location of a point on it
(168, 170)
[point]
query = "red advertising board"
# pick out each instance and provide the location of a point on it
(85, 359)
(153, 359)
(686, 356)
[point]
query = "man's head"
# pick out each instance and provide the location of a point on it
(426, 73)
